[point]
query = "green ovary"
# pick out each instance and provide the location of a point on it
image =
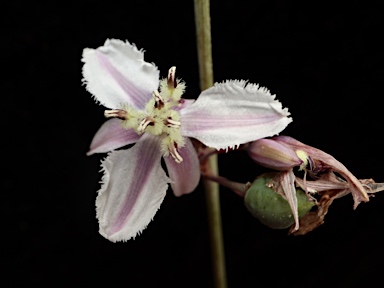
(272, 209)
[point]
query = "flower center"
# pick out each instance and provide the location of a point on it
(160, 117)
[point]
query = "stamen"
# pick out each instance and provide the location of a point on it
(122, 114)
(172, 83)
(172, 123)
(175, 155)
(143, 124)
(159, 101)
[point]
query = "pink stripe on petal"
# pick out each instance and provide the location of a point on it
(185, 176)
(111, 136)
(233, 113)
(117, 74)
(133, 95)
(134, 186)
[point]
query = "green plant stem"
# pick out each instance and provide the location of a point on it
(239, 188)
(204, 49)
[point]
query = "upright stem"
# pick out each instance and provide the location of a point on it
(204, 44)
(204, 49)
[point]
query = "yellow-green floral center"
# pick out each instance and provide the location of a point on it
(159, 117)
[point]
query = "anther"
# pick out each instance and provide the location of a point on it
(122, 114)
(175, 155)
(172, 123)
(144, 124)
(159, 101)
(172, 83)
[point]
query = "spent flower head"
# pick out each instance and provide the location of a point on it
(329, 178)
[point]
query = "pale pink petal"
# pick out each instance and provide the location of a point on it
(117, 74)
(134, 186)
(288, 185)
(185, 176)
(322, 184)
(272, 154)
(233, 113)
(111, 136)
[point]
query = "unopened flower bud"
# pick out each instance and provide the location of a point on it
(274, 155)
(272, 209)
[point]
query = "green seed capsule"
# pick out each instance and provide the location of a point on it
(271, 208)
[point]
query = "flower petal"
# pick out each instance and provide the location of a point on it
(288, 185)
(116, 73)
(327, 182)
(272, 154)
(185, 175)
(111, 136)
(233, 113)
(134, 186)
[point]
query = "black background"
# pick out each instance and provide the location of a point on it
(324, 62)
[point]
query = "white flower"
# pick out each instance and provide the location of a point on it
(160, 122)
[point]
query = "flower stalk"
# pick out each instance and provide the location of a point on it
(204, 50)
